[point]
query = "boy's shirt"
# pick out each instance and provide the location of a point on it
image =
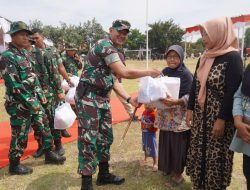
(147, 121)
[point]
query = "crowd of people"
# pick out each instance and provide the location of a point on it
(196, 129)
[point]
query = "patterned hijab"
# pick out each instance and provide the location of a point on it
(223, 40)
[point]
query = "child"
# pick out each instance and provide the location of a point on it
(149, 145)
(174, 133)
(241, 113)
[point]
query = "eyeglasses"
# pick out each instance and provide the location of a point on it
(173, 57)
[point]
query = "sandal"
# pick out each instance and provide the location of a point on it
(174, 183)
(155, 168)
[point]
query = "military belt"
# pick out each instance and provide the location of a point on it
(84, 89)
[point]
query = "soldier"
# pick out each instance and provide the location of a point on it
(39, 68)
(63, 72)
(95, 134)
(72, 61)
(52, 85)
(23, 97)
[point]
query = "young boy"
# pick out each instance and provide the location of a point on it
(149, 144)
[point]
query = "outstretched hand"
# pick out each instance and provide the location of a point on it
(154, 72)
(134, 102)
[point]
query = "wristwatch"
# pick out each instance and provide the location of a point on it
(128, 99)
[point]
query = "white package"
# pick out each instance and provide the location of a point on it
(70, 96)
(74, 79)
(64, 116)
(153, 89)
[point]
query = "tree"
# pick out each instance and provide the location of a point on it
(93, 31)
(136, 40)
(35, 24)
(195, 48)
(80, 36)
(164, 34)
(247, 38)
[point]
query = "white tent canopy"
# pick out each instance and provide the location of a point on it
(4, 38)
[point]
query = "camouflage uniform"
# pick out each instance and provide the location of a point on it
(47, 72)
(72, 66)
(23, 94)
(51, 84)
(95, 134)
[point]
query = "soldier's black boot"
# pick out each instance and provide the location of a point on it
(59, 149)
(65, 133)
(87, 183)
(104, 177)
(39, 152)
(53, 158)
(15, 168)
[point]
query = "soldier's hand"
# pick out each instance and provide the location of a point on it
(71, 83)
(35, 109)
(133, 102)
(76, 57)
(44, 100)
(154, 72)
(61, 96)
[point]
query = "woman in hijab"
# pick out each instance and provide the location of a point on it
(174, 133)
(241, 113)
(217, 77)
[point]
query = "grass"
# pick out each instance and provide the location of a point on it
(124, 159)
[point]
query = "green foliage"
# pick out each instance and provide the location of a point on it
(136, 40)
(35, 24)
(195, 48)
(247, 38)
(93, 31)
(163, 34)
(81, 36)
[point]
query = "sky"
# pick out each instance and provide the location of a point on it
(184, 13)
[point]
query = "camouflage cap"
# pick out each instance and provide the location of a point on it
(18, 26)
(121, 25)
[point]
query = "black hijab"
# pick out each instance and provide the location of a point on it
(181, 71)
(245, 88)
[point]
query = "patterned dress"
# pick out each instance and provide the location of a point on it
(209, 160)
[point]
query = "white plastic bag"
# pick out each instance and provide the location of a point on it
(172, 85)
(70, 96)
(151, 90)
(74, 79)
(65, 85)
(64, 116)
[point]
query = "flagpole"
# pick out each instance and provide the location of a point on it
(147, 33)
